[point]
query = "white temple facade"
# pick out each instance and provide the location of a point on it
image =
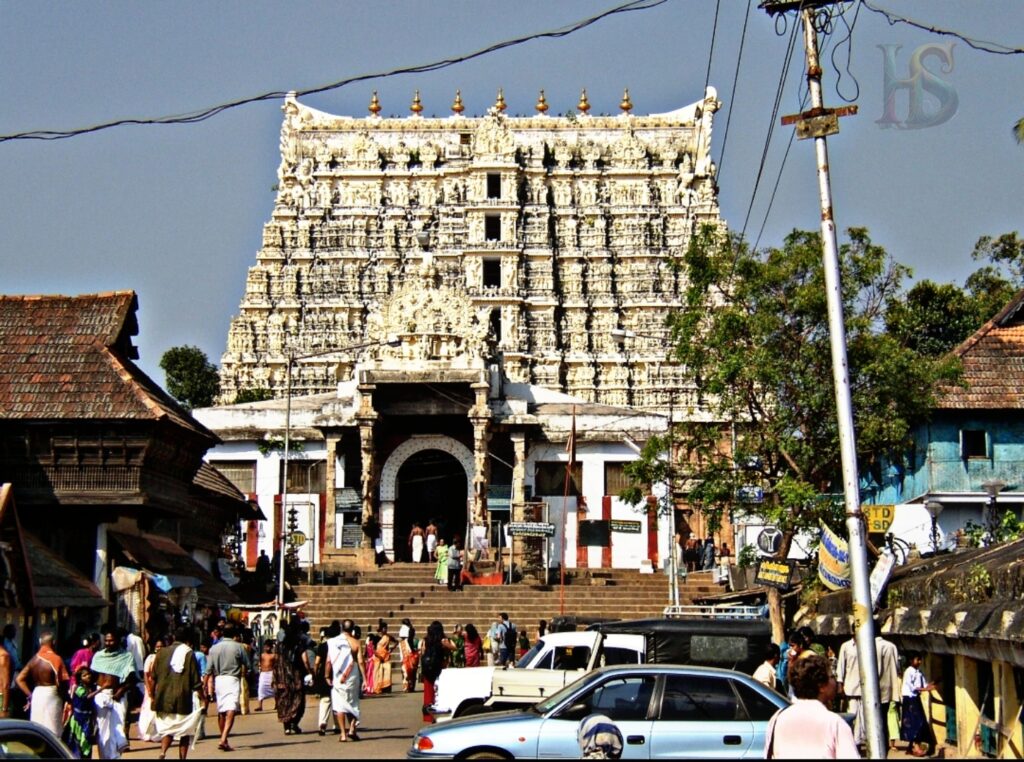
(451, 293)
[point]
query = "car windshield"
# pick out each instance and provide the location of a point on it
(530, 655)
(583, 683)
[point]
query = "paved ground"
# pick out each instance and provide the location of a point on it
(388, 724)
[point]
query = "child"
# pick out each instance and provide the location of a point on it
(80, 730)
(915, 730)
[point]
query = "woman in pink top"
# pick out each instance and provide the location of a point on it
(83, 656)
(808, 729)
(473, 645)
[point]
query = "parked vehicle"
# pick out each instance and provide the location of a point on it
(662, 711)
(21, 739)
(561, 658)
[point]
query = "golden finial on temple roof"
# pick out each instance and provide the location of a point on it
(374, 104)
(457, 106)
(584, 105)
(417, 107)
(500, 102)
(542, 103)
(625, 104)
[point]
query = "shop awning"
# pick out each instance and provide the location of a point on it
(162, 556)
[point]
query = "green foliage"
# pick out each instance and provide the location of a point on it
(1009, 528)
(253, 395)
(191, 378)
(753, 332)
(748, 556)
(271, 444)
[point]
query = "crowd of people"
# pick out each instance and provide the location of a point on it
(820, 682)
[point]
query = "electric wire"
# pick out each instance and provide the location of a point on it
(985, 46)
(771, 125)
(848, 41)
(207, 113)
(735, 80)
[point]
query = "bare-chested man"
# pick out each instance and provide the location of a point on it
(265, 687)
(45, 681)
(114, 668)
(5, 679)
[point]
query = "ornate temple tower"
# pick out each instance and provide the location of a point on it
(556, 231)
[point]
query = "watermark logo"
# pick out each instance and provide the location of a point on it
(922, 111)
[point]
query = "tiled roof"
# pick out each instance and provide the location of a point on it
(56, 583)
(209, 479)
(70, 357)
(993, 364)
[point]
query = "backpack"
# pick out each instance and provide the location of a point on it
(510, 637)
(432, 663)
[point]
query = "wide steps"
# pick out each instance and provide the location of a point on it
(410, 590)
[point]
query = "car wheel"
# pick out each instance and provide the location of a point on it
(467, 708)
(486, 754)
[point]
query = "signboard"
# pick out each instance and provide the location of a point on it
(297, 539)
(626, 525)
(351, 535)
(774, 573)
(531, 529)
(751, 494)
(595, 534)
(769, 540)
(833, 560)
(880, 575)
(880, 517)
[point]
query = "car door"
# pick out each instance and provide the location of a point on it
(626, 700)
(700, 716)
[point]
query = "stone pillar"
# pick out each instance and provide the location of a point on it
(519, 467)
(329, 541)
(480, 415)
(367, 418)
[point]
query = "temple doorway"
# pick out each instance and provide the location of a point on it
(430, 485)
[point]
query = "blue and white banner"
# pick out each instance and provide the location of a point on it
(833, 560)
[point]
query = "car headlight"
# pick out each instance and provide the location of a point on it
(422, 743)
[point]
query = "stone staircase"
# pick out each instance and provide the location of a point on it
(410, 590)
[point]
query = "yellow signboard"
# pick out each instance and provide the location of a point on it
(879, 517)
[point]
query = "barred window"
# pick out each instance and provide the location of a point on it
(307, 476)
(241, 473)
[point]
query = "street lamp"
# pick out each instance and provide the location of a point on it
(292, 356)
(621, 335)
(934, 509)
(992, 488)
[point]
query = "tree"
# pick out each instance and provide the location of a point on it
(753, 332)
(191, 378)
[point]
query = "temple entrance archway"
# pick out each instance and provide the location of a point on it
(426, 477)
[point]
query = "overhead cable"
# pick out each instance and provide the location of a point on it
(207, 113)
(983, 45)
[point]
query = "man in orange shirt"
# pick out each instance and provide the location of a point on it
(45, 681)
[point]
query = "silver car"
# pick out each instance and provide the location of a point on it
(663, 712)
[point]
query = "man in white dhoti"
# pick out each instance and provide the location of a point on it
(345, 671)
(226, 667)
(115, 674)
(178, 693)
(44, 679)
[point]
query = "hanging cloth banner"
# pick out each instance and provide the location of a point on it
(833, 560)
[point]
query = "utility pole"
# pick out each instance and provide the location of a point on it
(818, 123)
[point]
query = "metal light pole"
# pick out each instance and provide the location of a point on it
(819, 122)
(992, 488)
(291, 357)
(934, 509)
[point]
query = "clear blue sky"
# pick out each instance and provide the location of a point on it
(176, 212)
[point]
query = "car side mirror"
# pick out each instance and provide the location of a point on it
(575, 711)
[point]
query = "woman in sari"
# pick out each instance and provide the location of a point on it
(441, 572)
(473, 646)
(382, 659)
(409, 652)
(290, 668)
(370, 646)
(458, 639)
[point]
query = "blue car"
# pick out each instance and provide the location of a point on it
(663, 712)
